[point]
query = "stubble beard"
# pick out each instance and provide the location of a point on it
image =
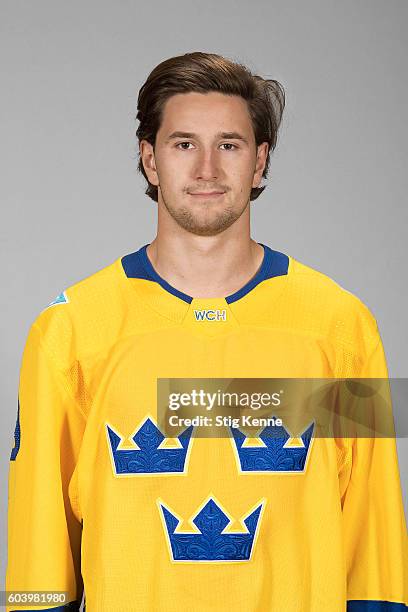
(203, 225)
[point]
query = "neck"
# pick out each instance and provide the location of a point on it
(205, 266)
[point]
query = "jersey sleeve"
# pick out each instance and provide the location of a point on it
(44, 522)
(374, 523)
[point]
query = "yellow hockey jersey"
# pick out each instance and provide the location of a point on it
(101, 503)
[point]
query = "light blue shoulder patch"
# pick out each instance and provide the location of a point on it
(60, 299)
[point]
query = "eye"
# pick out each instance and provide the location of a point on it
(182, 143)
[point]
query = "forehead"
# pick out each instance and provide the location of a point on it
(189, 111)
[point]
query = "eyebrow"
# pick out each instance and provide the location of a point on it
(228, 135)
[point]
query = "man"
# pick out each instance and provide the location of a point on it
(101, 498)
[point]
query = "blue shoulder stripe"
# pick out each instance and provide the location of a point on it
(361, 605)
(17, 435)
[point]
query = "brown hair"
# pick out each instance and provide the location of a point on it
(204, 72)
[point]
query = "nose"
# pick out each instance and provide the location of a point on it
(207, 167)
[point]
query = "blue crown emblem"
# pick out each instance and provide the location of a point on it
(148, 455)
(275, 454)
(207, 540)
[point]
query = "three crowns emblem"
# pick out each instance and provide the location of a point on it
(210, 538)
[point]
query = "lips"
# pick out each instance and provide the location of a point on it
(206, 193)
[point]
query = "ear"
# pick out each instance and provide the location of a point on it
(261, 155)
(148, 160)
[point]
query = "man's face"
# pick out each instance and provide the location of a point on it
(205, 160)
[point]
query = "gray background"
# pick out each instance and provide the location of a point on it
(72, 201)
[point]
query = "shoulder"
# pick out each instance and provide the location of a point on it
(336, 311)
(72, 322)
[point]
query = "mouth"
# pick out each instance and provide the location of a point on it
(207, 194)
